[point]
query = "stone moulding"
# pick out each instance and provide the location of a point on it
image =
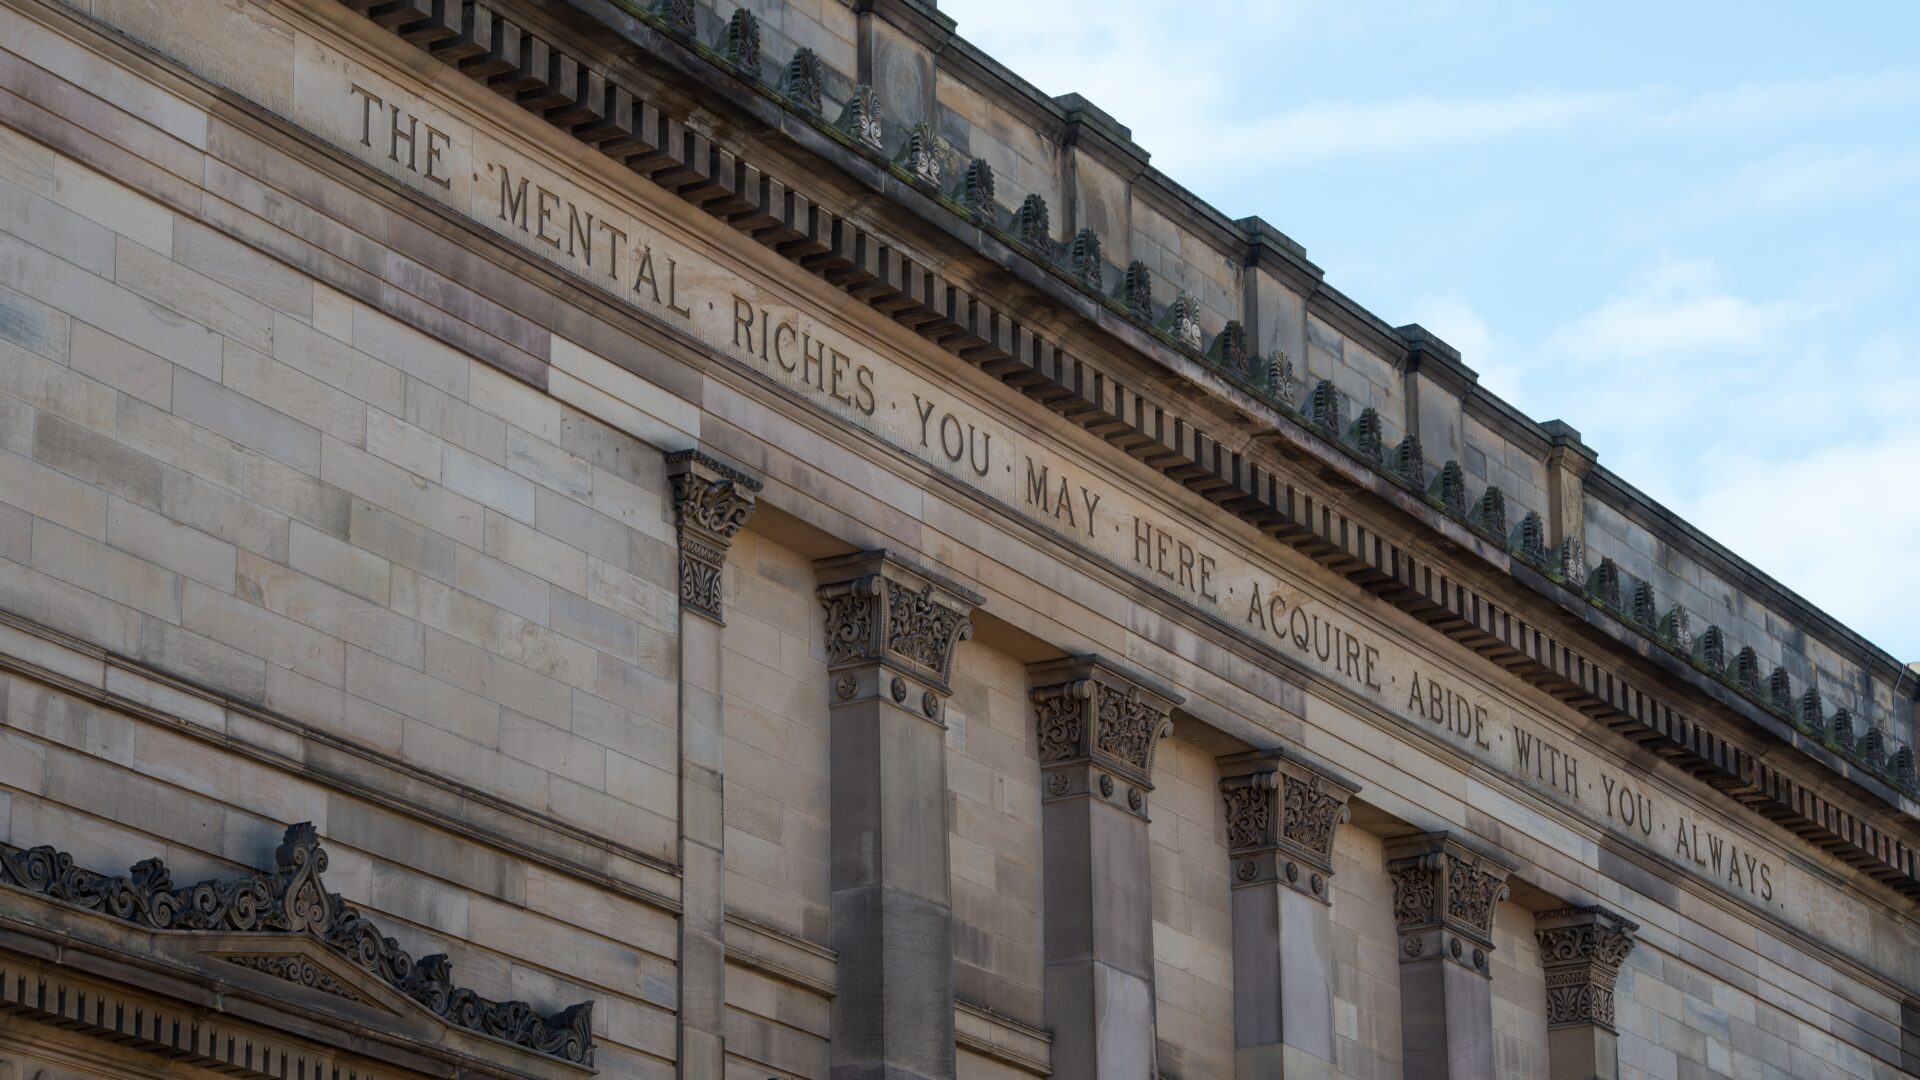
(970, 327)
(293, 900)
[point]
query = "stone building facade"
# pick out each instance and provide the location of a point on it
(543, 538)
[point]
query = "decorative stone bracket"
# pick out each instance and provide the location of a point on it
(711, 502)
(1098, 726)
(291, 900)
(1582, 949)
(889, 624)
(1281, 816)
(1444, 895)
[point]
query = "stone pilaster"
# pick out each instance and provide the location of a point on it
(1444, 896)
(1281, 815)
(1568, 462)
(891, 633)
(711, 502)
(1582, 949)
(1098, 728)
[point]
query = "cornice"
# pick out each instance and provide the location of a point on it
(973, 328)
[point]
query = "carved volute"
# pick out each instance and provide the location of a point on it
(711, 502)
(1582, 949)
(1098, 728)
(1444, 896)
(1281, 814)
(892, 629)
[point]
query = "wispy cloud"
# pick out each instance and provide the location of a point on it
(1672, 309)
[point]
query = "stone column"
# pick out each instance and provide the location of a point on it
(1098, 728)
(711, 502)
(1281, 816)
(1582, 949)
(1444, 895)
(891, 632)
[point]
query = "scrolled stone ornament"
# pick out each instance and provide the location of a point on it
(288, 903)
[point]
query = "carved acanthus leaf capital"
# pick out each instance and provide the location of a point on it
(881, 610)
(1087, 710)
(1444, 896)
(1581, 950)
(711, 502)
(1276, 801)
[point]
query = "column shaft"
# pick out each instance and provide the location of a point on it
(1444, 895)
(891, 633)
(1098, 728)
(1281, 815)
(711, 503)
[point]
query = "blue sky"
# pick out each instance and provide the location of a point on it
(1688, 230)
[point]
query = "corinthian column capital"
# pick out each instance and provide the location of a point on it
(1582, 949)
(711, 502)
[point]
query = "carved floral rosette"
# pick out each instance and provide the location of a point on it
(711, 502)
(884, 613)
(1444, 896)
(292, 900)
(1281, 815)
(1098, 730)
(1581, 950)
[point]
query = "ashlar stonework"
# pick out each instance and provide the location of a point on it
(663, 539)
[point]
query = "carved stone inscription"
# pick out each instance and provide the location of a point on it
(643, 259)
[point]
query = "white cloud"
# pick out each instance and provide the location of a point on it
(1834, 523)
(1802, 176)
(1674, 308)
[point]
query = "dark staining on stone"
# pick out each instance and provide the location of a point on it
(1450, 488)
(1083, 259)
(802, 79)
(1032, 226)
(1136, 290)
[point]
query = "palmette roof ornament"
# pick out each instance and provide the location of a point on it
(802, 80)
(292, 900)
(860, 118)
